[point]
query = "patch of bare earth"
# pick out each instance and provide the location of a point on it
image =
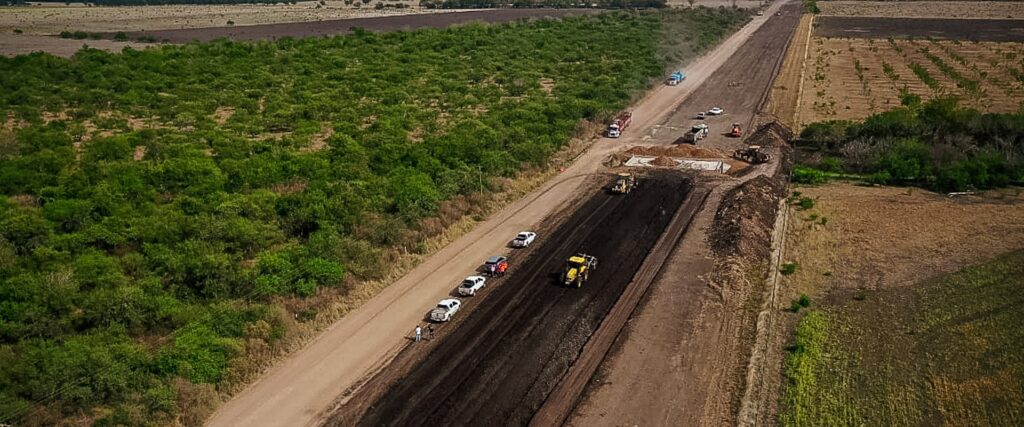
(318, 142)
(223, 114)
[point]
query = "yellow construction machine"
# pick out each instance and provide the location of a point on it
(577, 269)
(624, 183)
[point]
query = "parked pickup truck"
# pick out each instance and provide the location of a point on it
(523, 239)
(471, 285)
(445, 310)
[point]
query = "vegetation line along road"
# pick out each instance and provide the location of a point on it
(174, 217)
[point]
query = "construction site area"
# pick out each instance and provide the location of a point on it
(674, 259)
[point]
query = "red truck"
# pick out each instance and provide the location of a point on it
(619, 124)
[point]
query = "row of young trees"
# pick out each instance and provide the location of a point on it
(937, 144)
(160, 204)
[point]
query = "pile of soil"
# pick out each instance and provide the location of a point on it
(680, 150)
(771, 134)
(663, 161)
(744, 221)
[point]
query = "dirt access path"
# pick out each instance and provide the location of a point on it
(681, 358)
(296, 390)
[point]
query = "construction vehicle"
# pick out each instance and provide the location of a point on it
(752, 154)
(577, 269)
(697, 132)
(676, 78)
(619, 124)
(736, 131)
(625, 183)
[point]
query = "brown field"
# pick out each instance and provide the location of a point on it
(925, 9)
(52, 19)
(890, 337)
(847, 78)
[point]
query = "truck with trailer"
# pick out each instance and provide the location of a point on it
(619, 124)
(696, 133)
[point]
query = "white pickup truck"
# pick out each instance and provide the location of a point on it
(445, 310)
(523, 239)
(471, 285)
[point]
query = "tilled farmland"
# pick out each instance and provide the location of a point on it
(504, 359)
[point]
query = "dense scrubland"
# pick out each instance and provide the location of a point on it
(947, 351)
(169, 214)
(936, 144)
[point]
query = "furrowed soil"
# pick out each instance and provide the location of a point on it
(925, 9)
(896, 334)
(500, 363)
(1000, 30)
(847, 78)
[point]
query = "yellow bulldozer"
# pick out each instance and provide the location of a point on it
(577, 269)
(624, 183)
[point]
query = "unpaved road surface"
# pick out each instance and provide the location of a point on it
(996, 30)
(499, 366)
(296, 390)
(344, 26)
(681, 358)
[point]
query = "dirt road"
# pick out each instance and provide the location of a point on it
(681, 358)
(296, 390)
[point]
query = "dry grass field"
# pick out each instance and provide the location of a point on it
(853, 78)
(52, 19)
(915, 306)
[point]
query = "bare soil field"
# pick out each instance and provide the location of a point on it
(870, 253)
(999, 30)
(499, 365)
(52, 19)
(11, 45)
(853, 78)
(344, 26)
(925, 9)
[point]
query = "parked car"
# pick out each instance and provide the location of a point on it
(701, 115)
(523, 239)
(496, 266)
(471, 285)
(445, 310)
(715, 111)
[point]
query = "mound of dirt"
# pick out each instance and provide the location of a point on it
(663, 161)
(744, 221)
(680, 150)
(771, 134)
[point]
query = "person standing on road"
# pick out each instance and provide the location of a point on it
(419, 333)
(430, 332)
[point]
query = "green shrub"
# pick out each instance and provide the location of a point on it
(805, 203)
(788, 268)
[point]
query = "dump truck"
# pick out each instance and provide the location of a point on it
(625, 183)
(619, 124)
(736, 131)
(675, 78)
(752, 154)
(696, 133)
(577, 269)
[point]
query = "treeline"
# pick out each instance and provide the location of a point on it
(938, 144)
(163, 2)
(483, 4)
(170, 214)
